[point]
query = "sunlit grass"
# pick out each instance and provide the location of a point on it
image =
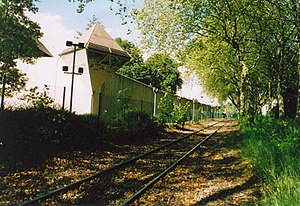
(272, 147)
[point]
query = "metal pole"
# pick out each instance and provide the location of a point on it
(154, 104)
(64, 97)
(155, 90)
(72, 82)
(3, 92)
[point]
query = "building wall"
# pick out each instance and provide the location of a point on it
(48, 71)
(82, 89)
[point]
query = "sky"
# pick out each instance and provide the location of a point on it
(60, 22)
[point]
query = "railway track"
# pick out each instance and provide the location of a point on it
(133, 177)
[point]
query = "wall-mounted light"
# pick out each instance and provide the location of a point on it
(80, 70)
(65, 68)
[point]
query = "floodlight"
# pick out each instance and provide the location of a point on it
(65, 68)
(81, 45)
(69, 43)
(80, 70)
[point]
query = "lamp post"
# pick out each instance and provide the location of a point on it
(80, 70)
(3, 91)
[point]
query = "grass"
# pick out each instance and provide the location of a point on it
(273, 147)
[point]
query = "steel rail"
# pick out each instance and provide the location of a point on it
(93, 176)
(138, 194)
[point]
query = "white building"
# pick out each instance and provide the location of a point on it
(100, 57)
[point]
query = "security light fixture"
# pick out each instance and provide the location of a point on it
(69, 43)
(155, 89)
(80, 70)
(65, 68)
(81, 45)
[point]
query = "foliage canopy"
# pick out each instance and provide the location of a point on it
(159, 70)
(18, 40)
(247, 51)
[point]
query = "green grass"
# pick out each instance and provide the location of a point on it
(273, 147)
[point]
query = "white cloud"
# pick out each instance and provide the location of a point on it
(55, 33)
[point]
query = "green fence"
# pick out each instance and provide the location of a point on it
(119, 90)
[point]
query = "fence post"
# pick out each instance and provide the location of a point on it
(99, 105)
(142, 105)
(3, 92)
(155, 90)
(193, 111)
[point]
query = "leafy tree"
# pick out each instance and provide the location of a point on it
(18, 40)
(254, 39)
(159, 70)
(283, 25)
(164, 74)
(136, 64)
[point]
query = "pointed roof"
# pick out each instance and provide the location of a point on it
(43, 49)
(97, 35)
(96, 38)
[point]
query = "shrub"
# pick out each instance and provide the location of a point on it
(170, 112)
(165, 109)
(180, 113)
(37, 99)
(36, 134)
(133, 123)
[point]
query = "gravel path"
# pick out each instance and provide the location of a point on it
(213, 175)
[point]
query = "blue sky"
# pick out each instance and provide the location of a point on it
(74, 20)
(60, 21)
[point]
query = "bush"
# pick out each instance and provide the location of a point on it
(36, 134)
(180, 113)
(170, 112)
(133, 123)
(130, 123)
(164, 110)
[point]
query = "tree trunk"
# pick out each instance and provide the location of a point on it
(243, 92)
(290, 102)
(290, 92)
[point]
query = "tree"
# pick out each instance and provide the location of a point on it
(158, 70)
(257, 36)
(18, 40)
(132, 67)
(135, 68)
(164, 74)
